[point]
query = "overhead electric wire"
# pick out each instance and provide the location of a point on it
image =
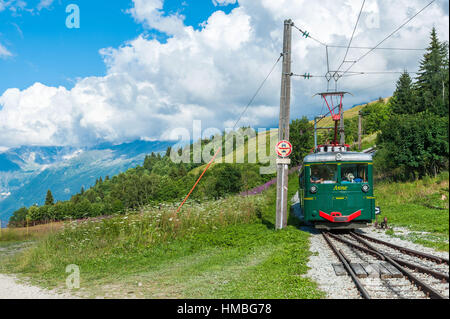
(235, 125)
(390, 35)
(353, 34)
(370, 48)
(257, 92)
(376, 73)
(307, 35)
(355, 73)
(307, 76)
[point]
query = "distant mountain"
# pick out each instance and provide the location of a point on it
(7, 165)
(26, 173)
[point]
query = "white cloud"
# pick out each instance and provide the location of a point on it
(223, 2)
(13, 5)
(149, 12)
(18, 5)
(210, 74)
(4, 53)
(44, 4)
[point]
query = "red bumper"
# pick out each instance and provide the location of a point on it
(337, 217)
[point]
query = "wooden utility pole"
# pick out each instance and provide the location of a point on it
(360, 131)
(283, 128)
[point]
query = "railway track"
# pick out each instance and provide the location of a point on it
(385, 271)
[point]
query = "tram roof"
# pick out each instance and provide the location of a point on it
(334, 157)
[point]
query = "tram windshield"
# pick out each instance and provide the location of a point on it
(354, 173)
(324, 174)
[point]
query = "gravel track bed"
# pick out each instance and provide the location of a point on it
(342, 287)
(441, 286)
(380, 234)
(442, 268)
(387, 288)
(322, 272)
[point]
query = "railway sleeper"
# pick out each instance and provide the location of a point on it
(428, 290)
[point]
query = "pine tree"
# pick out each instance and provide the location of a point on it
(49, 199)
(403, 100)
(433, 78)
(168, 151)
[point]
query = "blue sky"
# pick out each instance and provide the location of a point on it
(146, 69)
(44, 50)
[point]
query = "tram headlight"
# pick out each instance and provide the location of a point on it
(365, 188)
(313, 189)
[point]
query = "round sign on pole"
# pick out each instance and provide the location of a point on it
(284, 149)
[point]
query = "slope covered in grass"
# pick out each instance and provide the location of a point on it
(421, 206)
(212, 250)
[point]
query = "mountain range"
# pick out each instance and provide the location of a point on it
(27, 172)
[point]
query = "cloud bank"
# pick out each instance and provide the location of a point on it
(210, 74)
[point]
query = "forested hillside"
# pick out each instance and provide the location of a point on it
(158, 180)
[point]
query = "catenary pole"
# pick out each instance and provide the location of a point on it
(360, 130)
(315, 132)
(342, 126)
(283, 128)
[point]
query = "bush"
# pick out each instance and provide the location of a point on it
(413, 146)
(18, 219)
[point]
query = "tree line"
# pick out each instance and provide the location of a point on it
(158, 180)
(413, 141)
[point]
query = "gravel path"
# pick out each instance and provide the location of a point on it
(10, 288)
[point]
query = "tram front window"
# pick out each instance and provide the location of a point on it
(354, 173)
(324, 174)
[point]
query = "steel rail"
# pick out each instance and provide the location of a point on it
(356, 246)
(347, 267)
(428, 290)
(421, 269)
(405, 250)
(381, 256)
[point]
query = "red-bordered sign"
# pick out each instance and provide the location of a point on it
(284, 149)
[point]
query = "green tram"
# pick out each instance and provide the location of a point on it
(336, 189)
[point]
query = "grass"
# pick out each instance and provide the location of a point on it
(368, 141)
(212, 250)
(408, 205)
(250, 149)
(8, 235)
